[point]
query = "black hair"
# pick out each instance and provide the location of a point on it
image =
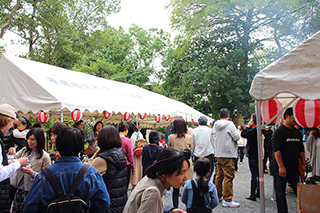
(69, 142)
(39, 136)
(77, 123)
(254, 118)
(57, 127)
(36, 125)
(202, 167)
(132, 129)
(164, 154)
(25, 121)
(224, 113)
(202, 120)
(289, 112)
(95, 126)
(154, 137)
(122, 126)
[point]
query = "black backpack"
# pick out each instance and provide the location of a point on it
(66, 202)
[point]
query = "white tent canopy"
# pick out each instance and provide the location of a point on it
(295, 75)
(32, 86)
(297, 72)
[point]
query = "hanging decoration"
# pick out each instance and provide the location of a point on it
(167, 117)
(126, 116)
(157, 118)
(143, 116)
(76, 115)
(269, 109)
(43, 117)
(106, 114)
(307, 113)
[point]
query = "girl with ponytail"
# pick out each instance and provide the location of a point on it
(199, 194)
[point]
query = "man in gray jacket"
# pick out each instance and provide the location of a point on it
(224, 137)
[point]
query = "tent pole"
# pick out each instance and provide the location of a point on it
(61, 115)
(260, 154)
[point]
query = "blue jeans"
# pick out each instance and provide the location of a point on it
(253, 165)
(280, 185)
(240, 153)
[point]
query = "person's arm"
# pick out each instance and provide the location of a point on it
(234, 133)
(130, 154)
(100, 197)
(17, 134)
(214, 196)
(99, 164)
(184, 195)
(282, 169)
(303, 162)
(7, 171)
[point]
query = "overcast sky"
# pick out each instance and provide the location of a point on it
(144, 13)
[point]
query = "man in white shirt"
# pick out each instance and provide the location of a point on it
(7, 169)
(202, 144)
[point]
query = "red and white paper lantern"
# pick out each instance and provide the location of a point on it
(269, 109)
(76, 115)
(126, 116)
(143, 116)
(307, 113)
(106, 114)
(167, 117)
(43, 117)
(157, 118)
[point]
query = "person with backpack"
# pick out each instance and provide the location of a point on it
(150, 151)
(91, 191)
(199, 194)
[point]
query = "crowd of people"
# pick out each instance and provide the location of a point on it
(121, 157)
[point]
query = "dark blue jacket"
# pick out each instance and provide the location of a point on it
(91, 188)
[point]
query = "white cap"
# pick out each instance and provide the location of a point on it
(6, 109)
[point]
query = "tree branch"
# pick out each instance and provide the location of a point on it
(6, 26)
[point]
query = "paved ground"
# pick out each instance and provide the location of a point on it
(241, 189)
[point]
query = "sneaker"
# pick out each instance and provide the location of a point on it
(231, 204)
(168, 192)
(220, 199)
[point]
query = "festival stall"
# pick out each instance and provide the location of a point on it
(293, 80)
(31, 87)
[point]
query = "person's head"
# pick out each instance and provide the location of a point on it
(179, 127)
(98, 126)
(23, 123)
(154, 137)
(202, 121)
(79, 125)
(267, 128)
(123, 127)
(7, 117)
(36, 141)
(240, 127)
(288, 117)
(132, 128)
(224, 113)
(69, 142)
(36, 125)
(202, 166)
(109, 138)
(254, 118)
(173, 118)
(55, 129)
(170, 167)
(196, 124)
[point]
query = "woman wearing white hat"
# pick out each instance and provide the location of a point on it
(7, 116)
